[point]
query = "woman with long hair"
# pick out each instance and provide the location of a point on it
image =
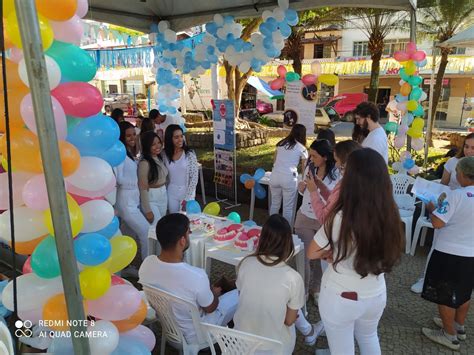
(284, 178)
(321, 163)
(128, 194)
(449, 173)
(182, 167)
(146, 125)
(363, 239)
(271, 292)
(152, 175)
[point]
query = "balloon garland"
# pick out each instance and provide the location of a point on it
(89, 147)
(252, 182)
(308, 79)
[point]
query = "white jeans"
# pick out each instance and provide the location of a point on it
(225, 311)
(176, 195)
(283, 186)
(158, 199)
(343, 319)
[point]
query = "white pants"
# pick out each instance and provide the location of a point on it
(158, 199)
(176, 195)
(302, 324)
(225, 311)
(283, 186)
(343, 319)
(128, 209)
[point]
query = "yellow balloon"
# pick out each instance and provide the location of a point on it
(328, 79)
(75, 215)
(8, 7)
(212, 209)
(222, 72)
(13, 31)
(412, 105)
(123, 252)
(410, 67)
(95, 282)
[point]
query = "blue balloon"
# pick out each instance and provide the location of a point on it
(115, 155)
(260, 192)
(272, 24)
(193, 207)
(268, 43)
(128, 345)
(211, 27)
(111, 229)
(92, 249)
(259, 173)
(291, 16)
(401, 98)
(422, 63)
(249, 224)
(244, 178)
(265, 29)
(284, 29)
(228, 19)
(408, 164)
(94, 135)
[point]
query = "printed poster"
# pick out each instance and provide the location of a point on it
(300, 105)
(223, 167)
(224, 124)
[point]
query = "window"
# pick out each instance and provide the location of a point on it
(130, 85)
(390, 46)
(459, 51)
(322, 51)
(360, 49)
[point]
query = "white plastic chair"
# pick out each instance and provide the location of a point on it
(235, 342)
(162, 302)
(405, 203)
(422, 224)
(400, 183)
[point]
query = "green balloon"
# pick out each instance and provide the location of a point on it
(415, 80)
(72, 122)
(234, 217)
(44, 260)
(291, 76)
(74, 62)
(391, 127)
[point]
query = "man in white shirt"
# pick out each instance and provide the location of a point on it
(168, 272)
(161, 123)
(367, 117)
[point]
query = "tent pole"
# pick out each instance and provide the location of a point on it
(412, 39)
(48, 141)
(214, 82)
(430, 104)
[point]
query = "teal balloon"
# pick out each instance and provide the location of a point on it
(234, 217)
(44, 260)
(414, 80)
(419, 111)
(416, 93)
(72, 122)
(404, 75)
(75, 63)
(391, 127)
(291, 76)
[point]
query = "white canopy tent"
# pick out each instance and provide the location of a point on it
(462, 39)
(182, 14)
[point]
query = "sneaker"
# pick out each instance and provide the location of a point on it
(310, 340)
(316, 298)
(460, 333)
(417, 287)
(438, 336)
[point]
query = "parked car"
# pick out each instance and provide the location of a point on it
(344, 104)
(264, 107)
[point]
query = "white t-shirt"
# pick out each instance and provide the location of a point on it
(377, 140)
(265, 292)
(306, 207)
(287, 160)
(450, 167)
(457, 211)
(160, 128)
(182, 280)
(345, 278)
(177, 170)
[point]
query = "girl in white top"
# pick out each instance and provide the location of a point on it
(128, 195)
(284, 178)
(271, 292)
(363, 239)
(449, 174)
(182, 169)
(321, 163)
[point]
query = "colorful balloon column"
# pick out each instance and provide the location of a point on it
(307, 80)
(89, 148)
(409, 104)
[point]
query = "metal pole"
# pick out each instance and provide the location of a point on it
(412, 39)
(430, 103)
(214, 82)
(48, 141)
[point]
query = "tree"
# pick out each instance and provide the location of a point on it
(376, 24)
(308, 20)
(234, 78)
(441, 22)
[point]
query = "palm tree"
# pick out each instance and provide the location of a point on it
(442, 21)
(376, 24)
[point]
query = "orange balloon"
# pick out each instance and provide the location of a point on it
(13, 78)
(27, 248)
(57, 10)
(55, 312)
(405, 89)
(249, 184)
(14, 100)
(70, 157)
(133, 321)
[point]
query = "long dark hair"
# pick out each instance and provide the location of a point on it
(327, 134)
(169, 146)
(370, 229)
(460, 153)
(147, 125)
(276, 240)
(297, 134)
(147, 140)
(344, 149)
(124, 125)
(324, 149)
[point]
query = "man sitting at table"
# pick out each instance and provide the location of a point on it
(169, 272)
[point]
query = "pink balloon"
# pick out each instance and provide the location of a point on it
(309, 79)
(79, 99)
(82, 8)
(414, 170)
(418, 56)
(143, 335)
(27, 266)
(28, 115)
(277, 84)
(117, 280)
(411, 48)
(16, 54)
(281, 70)
(92, 195)
(402, 106)
(69, 31)
(417, 144)
(82, 200)
(401, 56)
(405, 155)
(399, 141)
(19, 180)
(33, 315)
(120, 302)
(402, 129)
(35, 194)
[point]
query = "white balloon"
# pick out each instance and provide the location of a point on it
(163, 26)
(279, 14)
(93, 174)
(29, 225)
(424, 96)
(277, 36)
(106, 343)
(284, 4)
(316, 68)
(244, 67)
(54, 72)
(266, 15)
(222, 33)
(218, 19)
(279, 45)
(97, 214)
(170, 36)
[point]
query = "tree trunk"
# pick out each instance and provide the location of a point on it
(374, 76)
(437, 90)
(297, 65)
(240, 82)
(229, 79)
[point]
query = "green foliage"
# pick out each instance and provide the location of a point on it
(264, 120)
